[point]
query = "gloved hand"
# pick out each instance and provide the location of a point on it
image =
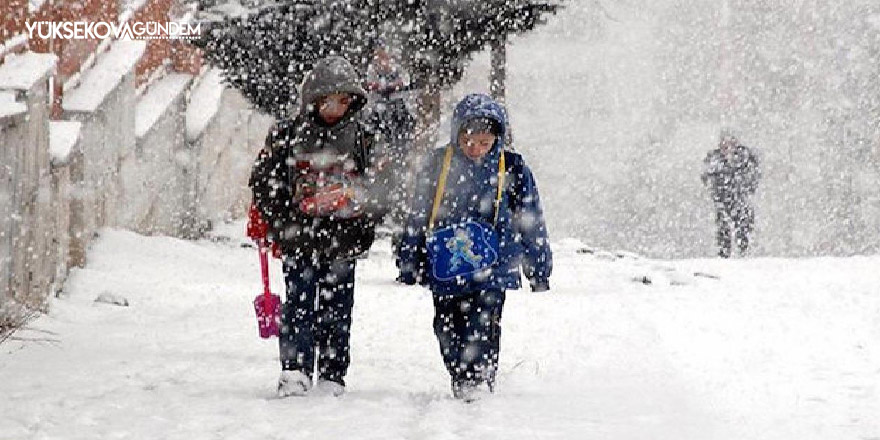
(326, 202)
(257, 229)
(276, 250)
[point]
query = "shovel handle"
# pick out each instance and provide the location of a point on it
(264, 266)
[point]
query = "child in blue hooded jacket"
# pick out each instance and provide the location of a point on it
(474, 220)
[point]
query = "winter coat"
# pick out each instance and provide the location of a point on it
(470, 194)
(731, 178)
(306, 138)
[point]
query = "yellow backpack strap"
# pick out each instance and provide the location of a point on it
(441, 186)
(501, 172)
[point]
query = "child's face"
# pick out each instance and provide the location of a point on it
(476, 145)
(333, 107)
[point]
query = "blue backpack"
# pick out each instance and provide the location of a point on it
(463, 252)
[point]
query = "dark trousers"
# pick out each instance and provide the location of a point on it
(468, 328)
(735, 222)
(317, 312)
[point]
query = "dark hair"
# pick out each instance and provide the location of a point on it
(480, 125)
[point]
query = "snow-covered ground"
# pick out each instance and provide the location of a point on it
(747, 349)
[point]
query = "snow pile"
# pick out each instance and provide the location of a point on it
(9, 106)
(104, 76)
(63, 136)
(156, 100)
(204, 103)
(35, 5)
(21, 72)
(768, 349)
(132, 5)
(12, 43)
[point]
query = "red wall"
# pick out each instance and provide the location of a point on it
(182, 56)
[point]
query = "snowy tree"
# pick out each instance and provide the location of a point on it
(266, 51)
(266, 48)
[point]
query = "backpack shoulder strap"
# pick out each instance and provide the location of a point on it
(502, 171)
(364, 148)
(441, 187)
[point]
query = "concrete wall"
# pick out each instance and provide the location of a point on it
(159, 182)
(225, 153)
(14, 131)
(107, 134)
(152, 182)
(27, 261)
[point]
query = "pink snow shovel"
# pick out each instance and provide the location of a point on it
(267, 305)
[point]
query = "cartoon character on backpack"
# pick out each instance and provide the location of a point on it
(461, 246)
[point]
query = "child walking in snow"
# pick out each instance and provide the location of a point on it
(312, 188)
(475, 219)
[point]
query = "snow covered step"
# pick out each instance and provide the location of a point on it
(204, 103)
(23, 72)
(158, 97)
(9, 106)
(63, 136)
(100, 80)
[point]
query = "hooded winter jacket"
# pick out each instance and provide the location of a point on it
(470, 194)
(731, 178)
(308, 138)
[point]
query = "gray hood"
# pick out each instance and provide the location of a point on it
(330, 75)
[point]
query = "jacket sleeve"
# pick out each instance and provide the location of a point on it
(412, 254)
(537, 262)
(270, 184)
(753, 172)
(709, 168)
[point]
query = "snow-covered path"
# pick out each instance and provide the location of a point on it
(773, 349)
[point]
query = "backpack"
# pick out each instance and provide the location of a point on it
(464, 252)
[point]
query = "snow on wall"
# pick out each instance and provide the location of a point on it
(204, 103)
(107, 135)
(110, 69)
(35, 5)
(63, 136)
(62, 181)
(27, 229)
(157, 99)
(22, 72)
(9, 106)
(157, 178)
(225, 152)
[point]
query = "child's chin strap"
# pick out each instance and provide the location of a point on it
(441, 187)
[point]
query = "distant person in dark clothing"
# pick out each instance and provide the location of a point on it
(731, 172)
(388, 83)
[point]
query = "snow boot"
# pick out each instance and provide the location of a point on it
(293, 383)
(329, 388)
(469, 392)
